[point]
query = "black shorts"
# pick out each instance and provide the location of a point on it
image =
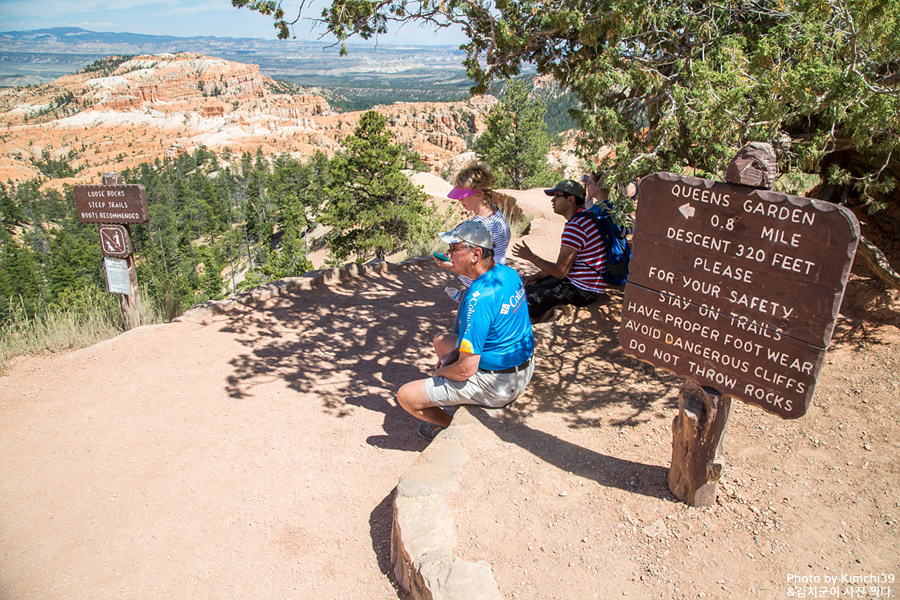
(550, 291)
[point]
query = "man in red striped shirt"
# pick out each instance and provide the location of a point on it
(577, 275)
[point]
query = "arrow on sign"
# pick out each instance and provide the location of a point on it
(687, 210)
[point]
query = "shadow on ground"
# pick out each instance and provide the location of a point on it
(353, 344)
(608, 471)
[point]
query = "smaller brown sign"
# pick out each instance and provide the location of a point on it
(115, 241)
(111, 204)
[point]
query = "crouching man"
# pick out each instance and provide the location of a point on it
(488, 358)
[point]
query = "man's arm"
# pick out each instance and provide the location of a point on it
(559, 269)
(465, 365)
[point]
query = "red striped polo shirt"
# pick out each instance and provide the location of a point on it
(582, 234)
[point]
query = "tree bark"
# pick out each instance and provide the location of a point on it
(877, 262)
(698, 432)
(871, 255)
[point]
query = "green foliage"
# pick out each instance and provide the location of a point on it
(210, 284)
(62, 100)
(296, 190)
(20, 280)
(88, 316)
(373, 208)
(55, 168)
(516, 142)
(686, 84)
(105, 66)
(168, 294)
(218, 224)
(559, 113)
(559, 104)
(291, 261)
(61, 105)
(11, 213)
(75, 262)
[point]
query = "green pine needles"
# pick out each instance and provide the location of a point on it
(516, 142)
(372, 208)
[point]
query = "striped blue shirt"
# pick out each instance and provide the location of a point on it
(499, 228)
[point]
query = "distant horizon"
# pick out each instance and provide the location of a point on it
(351, 42)
(196, 18)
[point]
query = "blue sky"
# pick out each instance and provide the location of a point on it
(183, 18)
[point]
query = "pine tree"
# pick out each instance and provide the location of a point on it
(20, 280)
(291, 261)
(75, 262)
(10, 212)
(372, 208)
(516, 141)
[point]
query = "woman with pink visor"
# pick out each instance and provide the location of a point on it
(473, 187)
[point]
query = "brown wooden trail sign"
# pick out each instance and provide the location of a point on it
(736, 289)
(111, 203)
(115, 205)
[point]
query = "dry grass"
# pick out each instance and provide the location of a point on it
(56, 329)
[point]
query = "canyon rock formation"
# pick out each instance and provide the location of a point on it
(149, 107)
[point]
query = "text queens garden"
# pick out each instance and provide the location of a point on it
(735, 288)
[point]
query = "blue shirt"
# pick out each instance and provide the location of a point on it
(492, 320)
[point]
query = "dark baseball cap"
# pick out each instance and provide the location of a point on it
(570, 187)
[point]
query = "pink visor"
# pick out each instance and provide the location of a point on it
(458, 193)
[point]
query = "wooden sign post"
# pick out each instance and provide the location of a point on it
(737, 290)
(114, 206)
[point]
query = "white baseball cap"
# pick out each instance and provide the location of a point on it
(472, 232)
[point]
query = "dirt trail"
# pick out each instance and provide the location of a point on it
(251, 454)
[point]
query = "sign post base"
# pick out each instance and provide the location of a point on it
(697, 444)
(131, 303)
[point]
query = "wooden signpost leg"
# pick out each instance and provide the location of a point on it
(697, 444)
(131, 303)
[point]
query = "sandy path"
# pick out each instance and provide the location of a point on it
(251, 454)
(247, 455)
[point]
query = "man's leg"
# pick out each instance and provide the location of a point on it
(542, 298)
(444, 343)
(414, 400)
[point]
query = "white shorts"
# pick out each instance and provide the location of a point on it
(484, 388)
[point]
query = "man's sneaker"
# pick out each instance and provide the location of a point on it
(427, 431)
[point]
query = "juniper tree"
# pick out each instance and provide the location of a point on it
(683, 84)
